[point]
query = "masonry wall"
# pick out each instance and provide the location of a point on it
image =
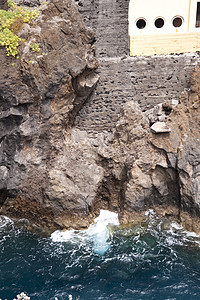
(147, 80)
(109, 18)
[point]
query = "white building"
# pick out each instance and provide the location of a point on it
(164, 26)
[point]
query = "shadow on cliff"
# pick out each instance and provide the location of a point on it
(57, 175)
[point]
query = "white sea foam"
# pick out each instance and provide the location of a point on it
(150, 212)
(62, 236)
(178, 236)
(97, 233)
(176, 226)
(191, 234)
(4, 221)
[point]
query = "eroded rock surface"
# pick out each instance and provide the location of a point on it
(58, 170)
(39, 98)
(146, 80)
(154, 170)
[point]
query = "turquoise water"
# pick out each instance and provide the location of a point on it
(157, 260)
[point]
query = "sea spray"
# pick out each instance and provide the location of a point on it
(144, 261)
(5, 221)
(97, 233)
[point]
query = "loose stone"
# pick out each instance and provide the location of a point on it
(160, 127)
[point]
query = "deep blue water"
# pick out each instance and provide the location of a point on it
(154, 261)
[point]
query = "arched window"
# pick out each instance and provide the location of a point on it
(141, 23)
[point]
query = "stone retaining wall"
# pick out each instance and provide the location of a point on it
(147, 80)
(109, 19)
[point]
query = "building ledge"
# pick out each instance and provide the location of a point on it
(147, 45)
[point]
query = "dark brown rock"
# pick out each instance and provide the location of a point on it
(38, 99)
(69, 148)
(4, 4)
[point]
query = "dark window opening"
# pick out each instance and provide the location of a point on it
(198, 15)
(159, 22)
(177, 22)
(141, 23)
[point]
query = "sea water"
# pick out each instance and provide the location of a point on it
(98, 233)
(155, 260)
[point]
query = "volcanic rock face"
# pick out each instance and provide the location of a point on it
(53, 171)
(3, 4)
(39, 98)
(154, 170)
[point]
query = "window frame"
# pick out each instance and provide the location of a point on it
(141, 19)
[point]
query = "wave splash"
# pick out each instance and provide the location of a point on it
(98, 233)
(136, 261)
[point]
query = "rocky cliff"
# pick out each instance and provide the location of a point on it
(39, 96)
(71, 145)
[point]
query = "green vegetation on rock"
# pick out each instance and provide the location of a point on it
(35, 47)
(11, 22)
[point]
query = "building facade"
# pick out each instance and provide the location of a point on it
(164, 27)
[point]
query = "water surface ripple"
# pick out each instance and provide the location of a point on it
(157, 260)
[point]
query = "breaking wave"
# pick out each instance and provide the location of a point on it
(155, 260)
(98, 233)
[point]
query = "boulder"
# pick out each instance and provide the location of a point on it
(160, 127)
